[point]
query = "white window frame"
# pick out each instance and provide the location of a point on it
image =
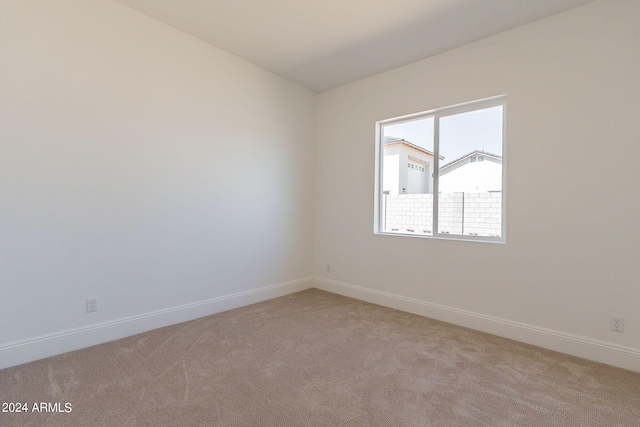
(438, 113)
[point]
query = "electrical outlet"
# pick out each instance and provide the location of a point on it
(328, 268)
(92, 305)
(616, 323)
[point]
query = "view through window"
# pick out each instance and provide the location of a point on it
(456, 153)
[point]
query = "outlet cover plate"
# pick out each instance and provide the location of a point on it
(616, 323)
(92, 305)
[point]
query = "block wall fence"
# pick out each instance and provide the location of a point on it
(471, 214)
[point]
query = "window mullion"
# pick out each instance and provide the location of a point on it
(436, 168)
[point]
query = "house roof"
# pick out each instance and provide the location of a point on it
(389, 140)
(473, 153)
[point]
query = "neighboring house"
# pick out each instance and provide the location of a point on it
(408, 168)
(475, 172)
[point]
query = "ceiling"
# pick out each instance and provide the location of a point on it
(323, 44)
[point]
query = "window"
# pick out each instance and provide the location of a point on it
(453, 185)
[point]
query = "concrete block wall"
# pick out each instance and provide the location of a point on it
(450, 210)
(483, 213)
(475, 214)
(408, 213)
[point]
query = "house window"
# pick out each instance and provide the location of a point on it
(454, 185)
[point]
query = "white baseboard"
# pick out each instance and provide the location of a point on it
(28, 350)
(586, 348)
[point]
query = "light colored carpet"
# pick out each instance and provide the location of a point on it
(319, 359)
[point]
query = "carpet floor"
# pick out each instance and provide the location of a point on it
(318, 359)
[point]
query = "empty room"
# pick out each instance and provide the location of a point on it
(360, 213)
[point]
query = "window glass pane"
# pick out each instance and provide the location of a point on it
(470, 173)
(407, 177)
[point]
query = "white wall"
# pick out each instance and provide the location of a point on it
(571, 256)
(141, 166)
(391, 176)
(472, 177)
